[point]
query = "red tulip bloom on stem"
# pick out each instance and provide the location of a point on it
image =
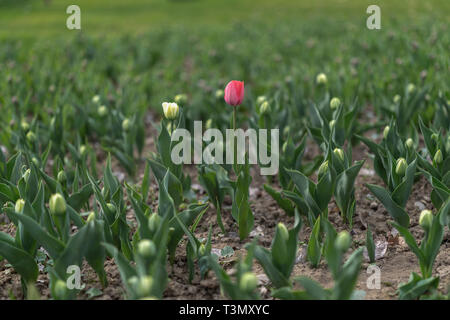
(234, 93)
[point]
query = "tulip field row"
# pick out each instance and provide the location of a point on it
(93, 204)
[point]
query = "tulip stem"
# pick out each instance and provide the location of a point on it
(235, 141)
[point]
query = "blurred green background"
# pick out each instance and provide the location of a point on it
(44, 18)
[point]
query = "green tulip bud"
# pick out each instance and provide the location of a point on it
(400, 167)
(82, 150)
(35, 161)
(208, 124)
(25, 126)
(154, 221)
(335, 103)
(284, 147)
(248, 282)
(145, 285)
(386, 131)
(426, 219)
(91, 217)
(146, 248)
(102, 111)
(62, 176)
(20, 204)
(60, 288)
(409, 143)
(96, 99)
(397, 98)
(181, 98)
(201, 250)
(411, 88)
(283, 231)
(332, 123)
(438, 157)
(343, 241)
(31, 137)
(57, 204)
(321, 79)
(265, 108)
(260, 100)
(339, 153)
(26, 175)
(126, 124)
(170, 110)
(219, 94)
(111, 207)
(286, 131)
(323, 168)
(435, 137)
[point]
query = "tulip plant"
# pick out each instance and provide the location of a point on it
(344, 274)
(395, 163)
(426, 253)
(438, 171)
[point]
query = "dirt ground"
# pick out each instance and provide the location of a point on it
(394, 259)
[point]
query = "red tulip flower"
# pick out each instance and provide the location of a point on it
(234, 93)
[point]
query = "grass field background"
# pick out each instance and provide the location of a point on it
(32, 19)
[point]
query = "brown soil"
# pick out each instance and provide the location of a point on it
(396, 263)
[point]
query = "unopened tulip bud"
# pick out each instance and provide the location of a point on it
(25, 126)
(62, 176)
(386, 131)
(208, 124)
(284, 147)
(265, 108)
(343, 241)
(321, 79)
(335, 103)
(283, 231)
(60, 288)
(26, 175)
(286, 130)
(332, 123)
(260, 100)
(201, 250)
(438, 157)
(111, 207)
(397, 98)
(323, 168)
(57, 204)
(146, 248)
(400, 167)
(426, 219)
(248, 282)
(435, 137)
(126, 124)
(145, 286)
(35, 161)
(91, 217)
(411, 88)
(339, 153)
(153, 222)
(219, 94)
(180, 99)
(20, 204)
(96, 99)
(102, 111)
(170, 110)
(409, 143)
(82, 150)
(31, 136)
